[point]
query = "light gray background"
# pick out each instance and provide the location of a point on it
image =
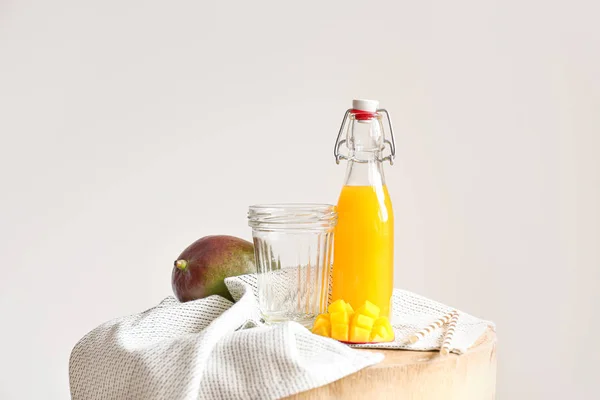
(131, 128)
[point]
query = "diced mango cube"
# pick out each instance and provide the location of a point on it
(337, 306)
(360, 326)
(322, 320)
(339, 332)
(363, 321)
(377, 338)
(383, 321)
(322, 331)
(369, 309)
(379, 331)
(382, 331)
(339, 317)
(349, 309)
(359, 335)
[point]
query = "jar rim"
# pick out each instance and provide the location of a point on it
(291, 216)
(294, 206)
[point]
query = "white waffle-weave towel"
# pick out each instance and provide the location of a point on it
(204, 349)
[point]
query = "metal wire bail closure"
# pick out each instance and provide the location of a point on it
(391, 143)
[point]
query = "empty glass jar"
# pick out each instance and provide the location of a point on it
(293, 251)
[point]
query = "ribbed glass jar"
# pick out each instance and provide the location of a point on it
(293, 251)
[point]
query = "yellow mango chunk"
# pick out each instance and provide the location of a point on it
(379, 334)
(359, 335)
(361, 326)
(337, 306)
(322, 320)
(349, 309)
(322, 330)
(383, 321)
(382, 330)
(339, 317)
(369, 309)
(378, 338)
(339, 332)
(363, 321)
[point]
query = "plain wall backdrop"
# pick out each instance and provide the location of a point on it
(131, 128)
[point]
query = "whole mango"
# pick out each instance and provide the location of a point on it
(202, 267)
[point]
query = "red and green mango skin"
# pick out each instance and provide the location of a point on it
(210, 260)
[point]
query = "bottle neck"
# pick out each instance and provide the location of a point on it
(365, 145)
(369, 173)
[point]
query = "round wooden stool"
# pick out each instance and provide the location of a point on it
(420, 375)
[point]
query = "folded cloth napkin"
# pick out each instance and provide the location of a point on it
(204, 349)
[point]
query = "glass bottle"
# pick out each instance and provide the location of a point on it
(363, 263)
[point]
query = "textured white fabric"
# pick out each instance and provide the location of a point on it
(203, 349)
(411, 314)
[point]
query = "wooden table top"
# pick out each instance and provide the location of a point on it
(420, 375)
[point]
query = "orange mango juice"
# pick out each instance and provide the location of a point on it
(363, 264)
